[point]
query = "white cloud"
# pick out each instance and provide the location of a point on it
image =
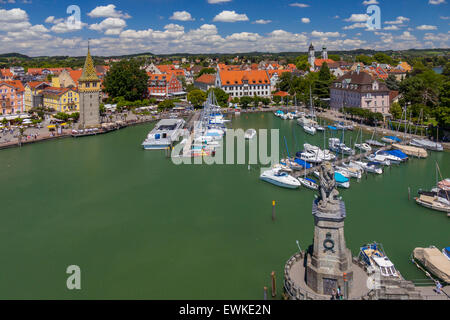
(110, 26)
(426, 27)
(230, 16)
(407, 36)
(244, 36)
(108, 11)
(358, 17)
(53, 20)
(64, 27)
(218, 1)
(369, 2)
(262, 21)
(306, 20)
(319, 34)
(392, 27)
(299, 5)
(398, 20)
(355, 26)
(435, 2)
(181, 16)
(444, 18)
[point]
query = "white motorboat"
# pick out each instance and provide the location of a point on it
(308, 183)
(364, 147)
(290, 116)
(284, 116)
(164, 134)
(324, 155)
(280, 178)
(338, 147)
(350, 172)
(319, 128)
(311, 157)
(309, 129)
(250, 134)
(379, 159)
(392, 158)
(290, 163)
(281, 167)
(370, 167)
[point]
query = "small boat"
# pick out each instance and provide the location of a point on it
(290, 163)
(398, 154)
(284, 116)
(340, 148)
(364, 147)
(290, 116)
(319, 128)
(432, 203)
(309, 129)
(341, 180)
(391, 139)
(324, 155)
(370, 167)
(303, 163)
(375, 143)
(446, 252)
(412, 151)
(389, 156)
(379, 159)
(374, 257)
(350, 172)
(279, 113)
(280, 178)
(281, 167)
(250, 134)
(310, 157)
(433, 261)
(309, 183)
(427, 144)
(333, 128)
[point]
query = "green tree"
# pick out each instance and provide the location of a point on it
(392, 83)
(334, 57)
(246, 101)
(364, 59)
(126, 79)
(166, 104)
(206, 71)
(396, 110)
(196, 97)
(301, 62)
(276, 100)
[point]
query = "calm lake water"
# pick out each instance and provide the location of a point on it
(140, 227)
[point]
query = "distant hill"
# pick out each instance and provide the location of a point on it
(14, 55)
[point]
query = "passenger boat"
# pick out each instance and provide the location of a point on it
(374, 257)
(164, 134)
(391, 139)
(309, 129)
(427, 144)
(250, 134)
(280, 178)
(364, 147)
(412, 151)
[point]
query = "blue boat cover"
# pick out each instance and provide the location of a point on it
(340, 178)
(303, 163)
(311, 180)
(394, 138)
(157, 136)
(332, 128)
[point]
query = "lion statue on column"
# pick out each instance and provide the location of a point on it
(328, 197)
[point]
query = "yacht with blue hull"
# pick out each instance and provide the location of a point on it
(164, 134)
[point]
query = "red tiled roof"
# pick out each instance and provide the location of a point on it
(16, 84)
(320, 62)
(34, 84)
(75, 75)
(56, 91)
(207, 78)
(281, 93)
(237, 77)
(6, 73)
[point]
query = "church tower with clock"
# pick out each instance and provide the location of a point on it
(89, 93)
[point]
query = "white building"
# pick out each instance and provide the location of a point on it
(242, 83)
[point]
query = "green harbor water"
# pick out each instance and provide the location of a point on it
(141, 227)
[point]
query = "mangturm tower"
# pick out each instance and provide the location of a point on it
(311, 56)
(89, 92)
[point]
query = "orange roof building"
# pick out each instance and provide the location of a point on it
(11, 97)
(6, 74)
(244, 83)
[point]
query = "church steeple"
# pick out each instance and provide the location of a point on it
(89, 73)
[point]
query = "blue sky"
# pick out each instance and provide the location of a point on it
(40, 27)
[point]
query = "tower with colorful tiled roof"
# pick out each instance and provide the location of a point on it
(89, 92)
